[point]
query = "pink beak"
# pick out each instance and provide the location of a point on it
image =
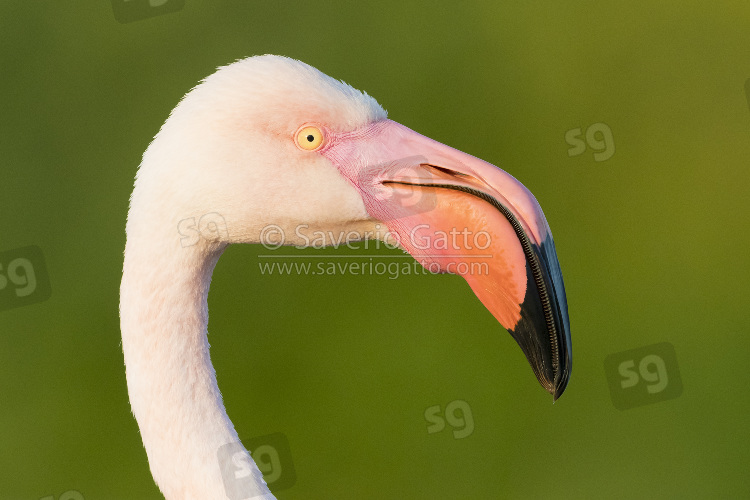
(456, 213)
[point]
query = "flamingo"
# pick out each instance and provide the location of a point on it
(271, 141)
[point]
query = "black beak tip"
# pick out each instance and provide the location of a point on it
(563, 373)
(559, 389)
(548, 352)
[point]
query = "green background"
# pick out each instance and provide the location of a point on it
(652, 243)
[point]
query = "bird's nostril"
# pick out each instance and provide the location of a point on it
(446, 171)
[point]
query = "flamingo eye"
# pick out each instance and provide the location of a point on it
(310, 138)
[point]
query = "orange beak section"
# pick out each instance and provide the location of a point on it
(457, 214)
(461, 235)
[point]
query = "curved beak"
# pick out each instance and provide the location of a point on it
(458, 214)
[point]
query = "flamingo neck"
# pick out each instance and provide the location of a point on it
(171, 381)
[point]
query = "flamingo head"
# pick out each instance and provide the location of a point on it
(270, 141)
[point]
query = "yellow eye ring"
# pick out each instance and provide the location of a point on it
(310, 138)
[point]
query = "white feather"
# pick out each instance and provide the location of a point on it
(226, 149)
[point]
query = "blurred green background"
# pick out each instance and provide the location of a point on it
(652, 242)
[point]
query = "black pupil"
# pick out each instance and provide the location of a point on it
(310, 138)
